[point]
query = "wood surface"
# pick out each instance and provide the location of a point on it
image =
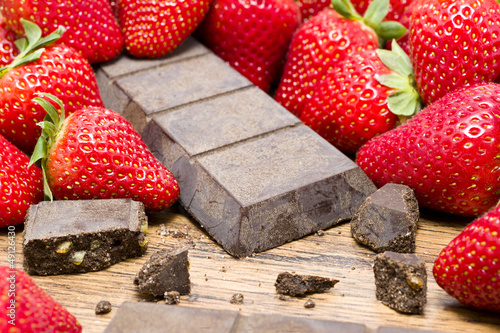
(216, 276)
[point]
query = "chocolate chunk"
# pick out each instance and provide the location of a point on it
(298, 285)
(401, 281)
(166, 270)
(103, 307)
(79, 236)
(152, 318)
(172, 297)
(387, 220)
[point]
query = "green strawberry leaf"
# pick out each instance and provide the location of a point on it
(346, 9)
(396, 59)
(404, 103)
(51, 126)
(389, 30)
(31, 47)
(376, 12)
(393, 81)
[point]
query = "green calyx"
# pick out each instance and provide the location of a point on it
(32, 46)
(405, 101)
(51, 126)
(374, 16)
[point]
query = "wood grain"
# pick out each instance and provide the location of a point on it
(216, 276)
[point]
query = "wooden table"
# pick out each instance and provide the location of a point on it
(216, 276)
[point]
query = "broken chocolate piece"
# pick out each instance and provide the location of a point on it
(78, 236)
(387, 220)
(103, 307)
(401, 281)
(166, 270)
(298, 285)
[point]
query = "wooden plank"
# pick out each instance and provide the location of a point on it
(216, 276)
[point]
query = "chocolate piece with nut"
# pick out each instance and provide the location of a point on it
(401, 281)
(77, 236)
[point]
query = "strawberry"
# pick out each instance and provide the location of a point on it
(20, 186)
(309, 8)
(323, 41)
(95, 153)
(404, 19)
(55, 69)
(91, 27)
(8, 50)
(454, 44)
(469, 267)
(251, 35)
(155, 28)
(362, 98)
(28, 308)
(448, 153)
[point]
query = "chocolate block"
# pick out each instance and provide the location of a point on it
(82, 235)
(154, 317)
(262, 192)
(276, 323)
(401, 281)
(387, 220)
(299, 285)
(166, 270)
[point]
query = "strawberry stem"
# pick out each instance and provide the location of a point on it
(51, 125)
(32, 46)
(373, 17)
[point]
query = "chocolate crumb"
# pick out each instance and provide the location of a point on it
(309, 304)
(103, 307)
(172, 297)
(320, 232)
(237, 299)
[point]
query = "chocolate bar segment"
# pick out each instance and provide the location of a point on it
(261, 193)
(154, 317)
(80, 236)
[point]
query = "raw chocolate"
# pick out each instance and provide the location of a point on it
(103, 307)
(309, 304)
(387, 220)
(76, 236)
(299, 285)
(401, 281)
(153, 317)
(166, 270)
(237, 299)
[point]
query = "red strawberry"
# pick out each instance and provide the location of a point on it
(323, 41)
(469, 267)
(448, 153)
(8, 50)
(454, 44)
(20, 186)
(90, 25)
(27, 308)
(59, 70)
(251, 35)
(96, 154)
(309, 8)
(362, 98)
(156, 28)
